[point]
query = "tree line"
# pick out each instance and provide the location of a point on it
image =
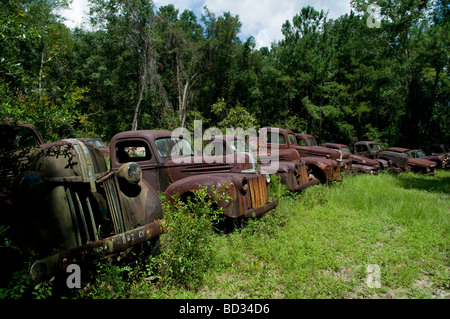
(139, 67)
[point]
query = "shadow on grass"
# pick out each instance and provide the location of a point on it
(434, 184)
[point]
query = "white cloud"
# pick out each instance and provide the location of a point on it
(261, 19)
(77, 14)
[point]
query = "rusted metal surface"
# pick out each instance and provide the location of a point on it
(441, 160)
(321, 167)
(309, 146)
(44, 268)
(359, 163)
(183, 172)
(290, 169)
(393, 161)
(418, 165)
(63, 198)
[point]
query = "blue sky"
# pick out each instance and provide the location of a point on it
(261, 19)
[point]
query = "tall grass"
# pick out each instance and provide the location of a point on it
(317, 244)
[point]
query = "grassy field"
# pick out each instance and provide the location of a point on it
(368, 237)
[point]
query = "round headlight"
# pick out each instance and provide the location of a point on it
(131, 172)
(30, 185)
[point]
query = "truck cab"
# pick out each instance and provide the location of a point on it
(293, 174)
(359, 163)
(419, 165)
(284, 142)
(392, 161)
(308, 146)
(18, 135)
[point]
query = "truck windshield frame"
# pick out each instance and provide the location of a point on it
(239, 146)
(170, 147)
(312, 142)
(292, 139)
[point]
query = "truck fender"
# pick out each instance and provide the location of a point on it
(187, 185)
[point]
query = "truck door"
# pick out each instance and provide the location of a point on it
(363, 150)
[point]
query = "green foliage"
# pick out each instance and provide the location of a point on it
(20, 286)
(337, 79)
(187, 245)
(234, 117)
(54, 119)
(276, 188)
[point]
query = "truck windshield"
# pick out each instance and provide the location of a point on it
(312, 142)
(420, 154)
(344, 149)
(12, 138)
(240, 146)
(271, 137)
(292, 139)
(168, 147)
(375, 147)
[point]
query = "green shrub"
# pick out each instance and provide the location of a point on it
(187, 243)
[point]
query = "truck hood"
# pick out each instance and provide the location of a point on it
(358, 159)
(322, 151)
(195, 165)
(420, 162)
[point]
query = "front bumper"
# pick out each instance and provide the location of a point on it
(45, 268)
(312, 182)
(365, 169)
(261, 210)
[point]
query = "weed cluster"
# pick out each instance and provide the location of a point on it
(187, 242)
(317, 244)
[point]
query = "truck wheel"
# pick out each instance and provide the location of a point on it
(317, 173)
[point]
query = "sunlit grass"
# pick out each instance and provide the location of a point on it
(319, 244)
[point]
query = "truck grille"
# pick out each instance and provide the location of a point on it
(337, 173)
(258, 191)
(303, 174)
(114, 204)
(83, 220)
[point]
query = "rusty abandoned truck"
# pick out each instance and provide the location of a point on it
(392, 161)
(60, 202)
(359, 163)
(324, 169)
(417, 165)
(438, 155)
(308, 147)
(293, 174)
(168, 164)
